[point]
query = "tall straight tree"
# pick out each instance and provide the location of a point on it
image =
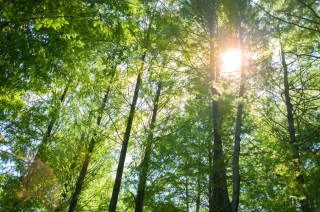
(225, 18)
(210, 15)
(85, 164)
(294, 143)
(117, 183)
(220, 189)
(237, 139)
(126, 137)
(145, 161)
(46, 137)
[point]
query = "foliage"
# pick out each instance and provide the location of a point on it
(60, 60)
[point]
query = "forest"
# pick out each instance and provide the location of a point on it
(160, 105)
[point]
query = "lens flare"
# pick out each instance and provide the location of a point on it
(231, 61)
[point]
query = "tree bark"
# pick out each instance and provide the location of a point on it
(85, 164)
(293, 140)
(146, 158)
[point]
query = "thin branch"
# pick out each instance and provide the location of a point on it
(282, 20)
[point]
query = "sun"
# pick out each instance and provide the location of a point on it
(231, 61)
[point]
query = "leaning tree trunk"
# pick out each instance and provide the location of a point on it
(85, 164)
(47, 135)
(40, 155)
(304, 203)
(146, 158)
(220, 189)
(117, 182)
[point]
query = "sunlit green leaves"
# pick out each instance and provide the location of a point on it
(96, 46)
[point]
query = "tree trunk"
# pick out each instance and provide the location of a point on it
(46, 137)
(220, 189)
(198, 192)
(237, 138)
(117, 183)
(236, 154)
(210, 187)
(293, 140)
(146, 159)
(84, 168)
(187, 193)
(80, 180)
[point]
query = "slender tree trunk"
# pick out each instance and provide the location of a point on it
(293, 140)
(84, 168)
(220, 189)
(236, 155)
(40, 156)
(210, 187)
(68, 180)
(80, 180)
(198, 192)
(187, 193)
(146, 159)
(47, 135)
(237, 140)
(117, 182)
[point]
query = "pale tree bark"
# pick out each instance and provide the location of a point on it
(304, 203)
(86, 162)
(220, 189)
(145, 162)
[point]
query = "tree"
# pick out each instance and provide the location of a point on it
(116, 188)
(291, 129)
(146, 158)
(92, 144)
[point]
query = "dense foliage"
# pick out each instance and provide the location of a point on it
(126, 105)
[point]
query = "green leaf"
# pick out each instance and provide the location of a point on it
(38, 26)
